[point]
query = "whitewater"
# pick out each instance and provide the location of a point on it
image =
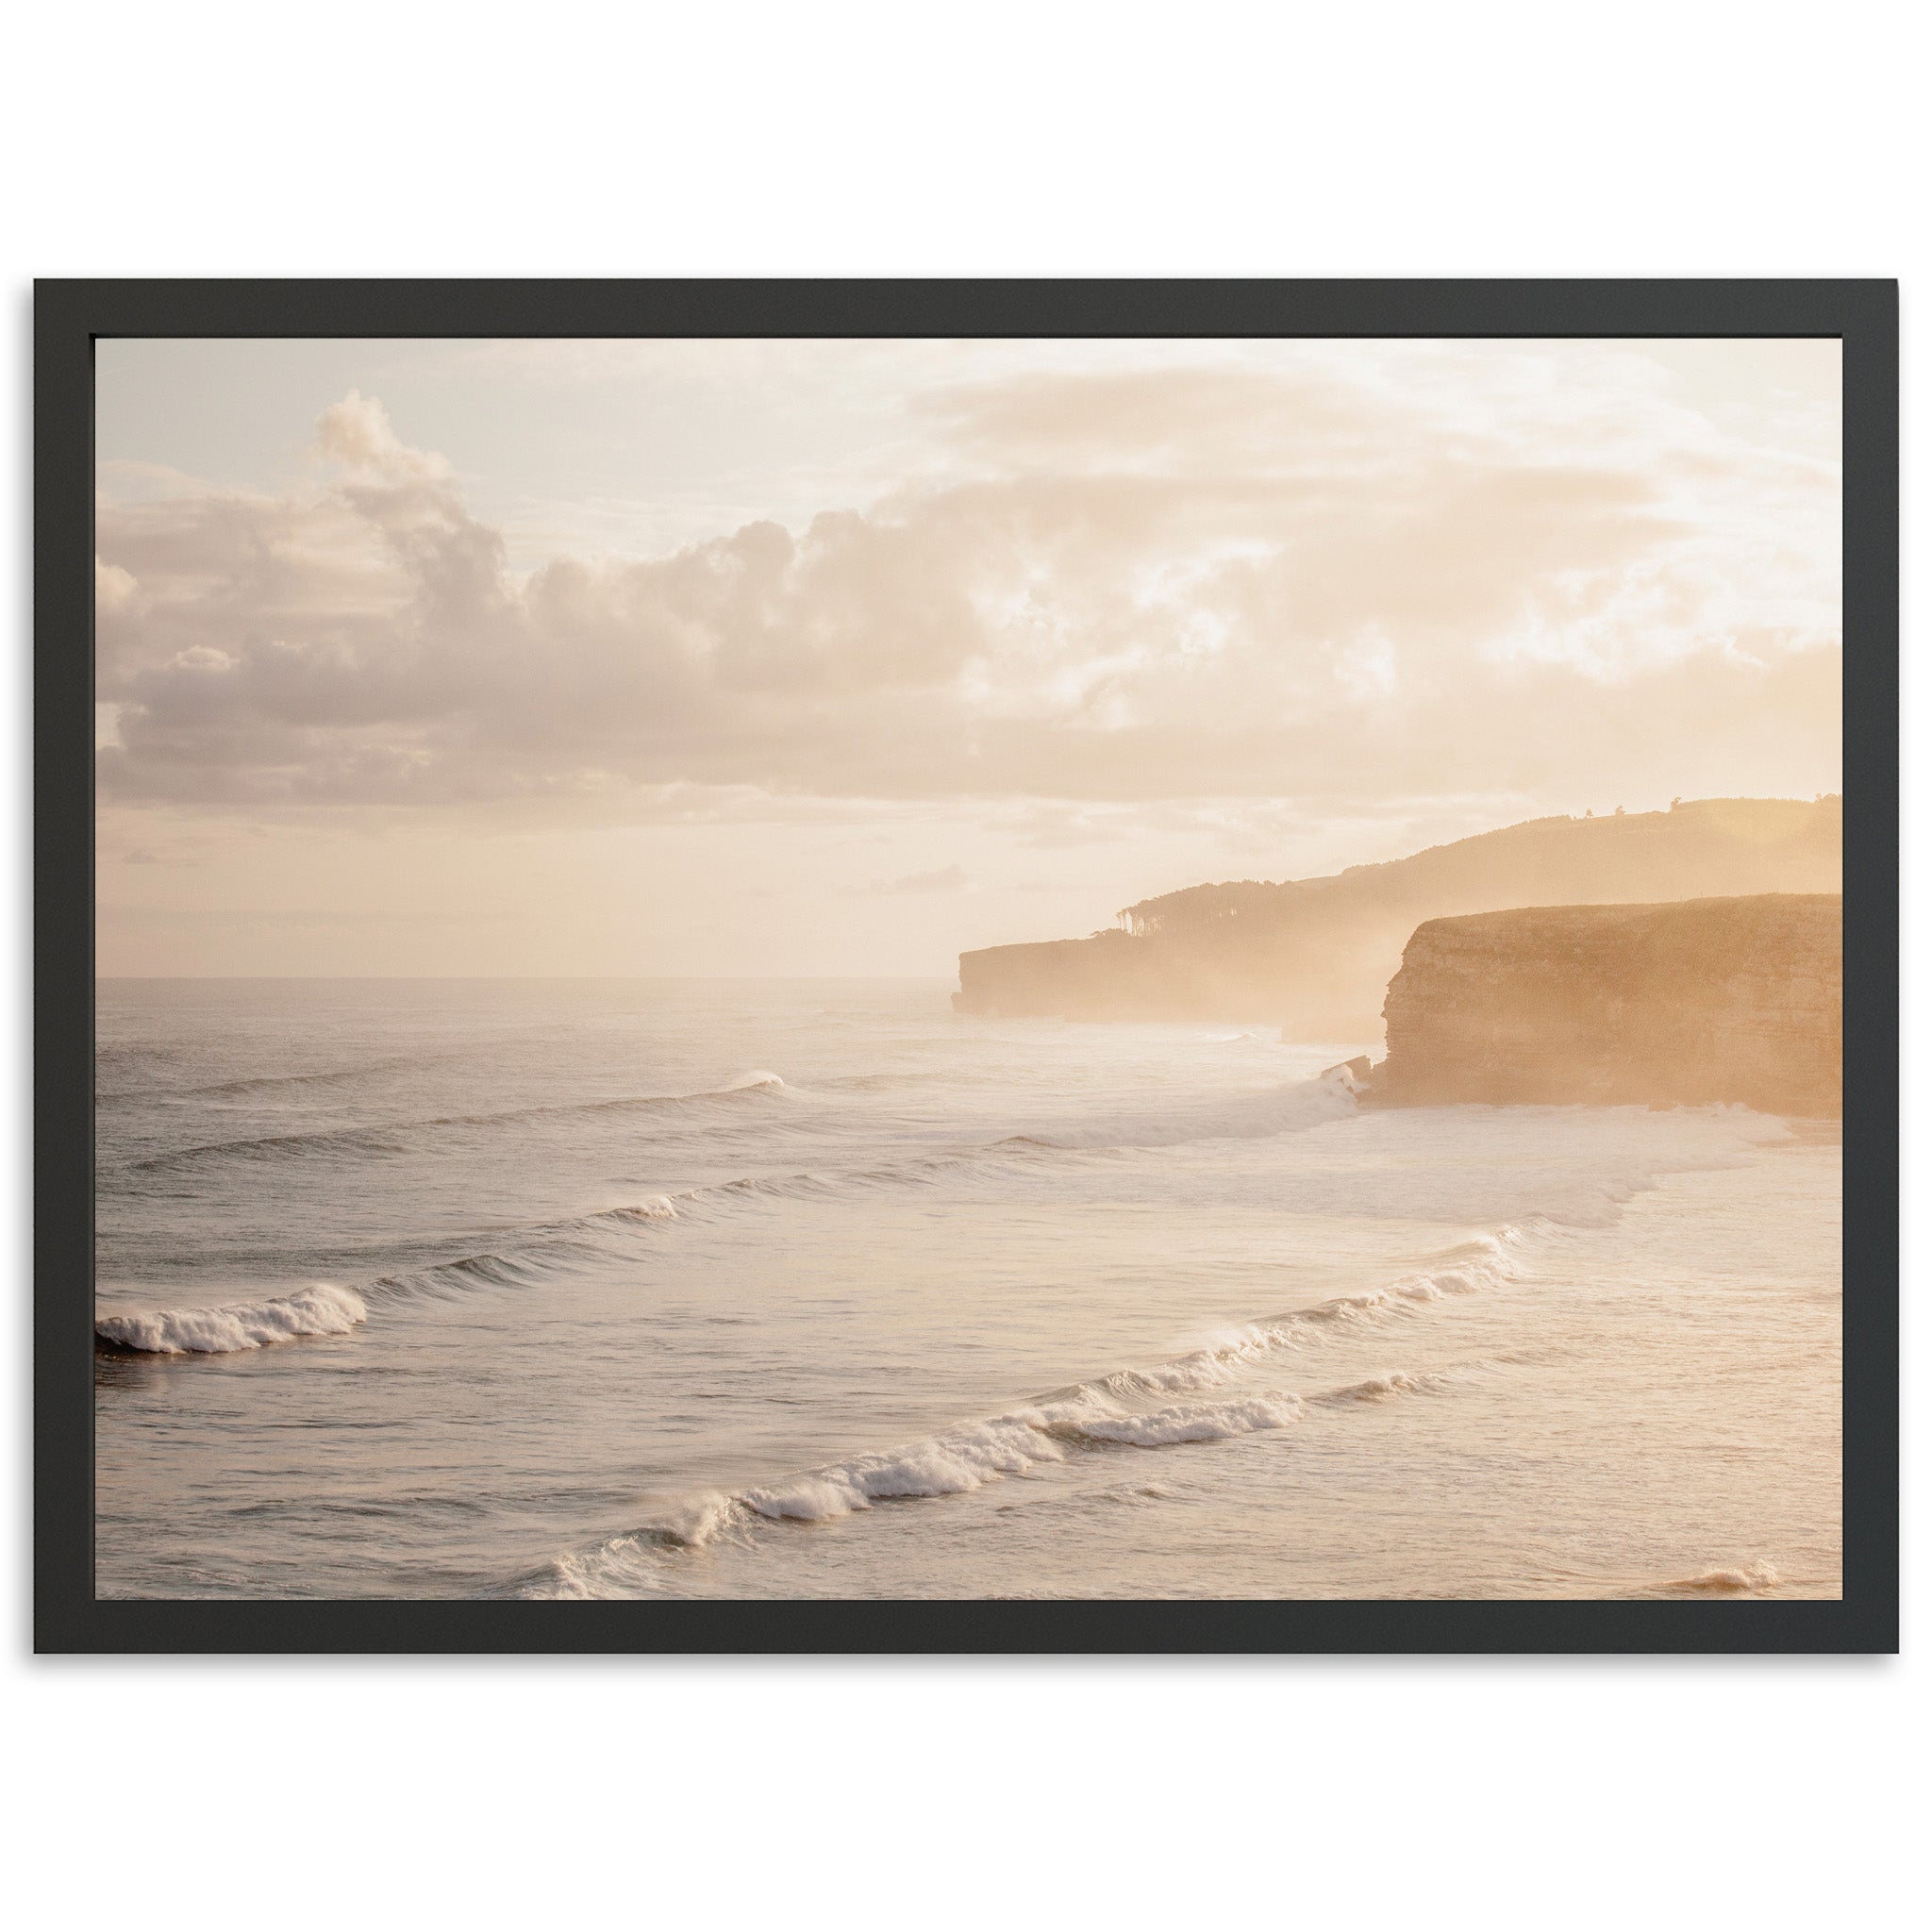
(760, 1289)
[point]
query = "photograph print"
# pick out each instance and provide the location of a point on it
(1001, 968)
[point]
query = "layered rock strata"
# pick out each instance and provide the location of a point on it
(1733, 999)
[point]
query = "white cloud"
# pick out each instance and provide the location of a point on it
(1432, 569)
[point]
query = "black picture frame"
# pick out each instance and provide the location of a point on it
(71, 315)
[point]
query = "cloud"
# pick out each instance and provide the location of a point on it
(113, 587)
(356, 434)
(1444, 573)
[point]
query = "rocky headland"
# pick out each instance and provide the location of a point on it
(1725, 999)
(1315, 955)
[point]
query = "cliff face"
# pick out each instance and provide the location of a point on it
(1708, 999)
(1316, 954)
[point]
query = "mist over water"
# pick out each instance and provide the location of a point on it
(751, 1287)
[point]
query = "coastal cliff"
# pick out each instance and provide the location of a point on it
(1734, 999)
(1314, 955)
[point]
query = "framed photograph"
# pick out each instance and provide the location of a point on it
(966, 966)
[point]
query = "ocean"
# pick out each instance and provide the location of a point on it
(782, 1288)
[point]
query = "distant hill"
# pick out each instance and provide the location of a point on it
(1315, 955)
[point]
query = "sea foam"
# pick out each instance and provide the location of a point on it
(322, 1309)
(968, 1457)
(1096, 1415)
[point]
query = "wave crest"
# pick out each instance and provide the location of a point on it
(1097, 1415)
(968, 1457)
(323, 1309)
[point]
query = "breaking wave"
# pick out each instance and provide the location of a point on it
(968, 1457)
(977, 1453)
(322, 1309)
(1096, 1415)
(548, 1250)
(1486, 1262)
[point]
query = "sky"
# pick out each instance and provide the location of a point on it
(838, 658)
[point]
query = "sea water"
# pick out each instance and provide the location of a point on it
(779, 1289)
